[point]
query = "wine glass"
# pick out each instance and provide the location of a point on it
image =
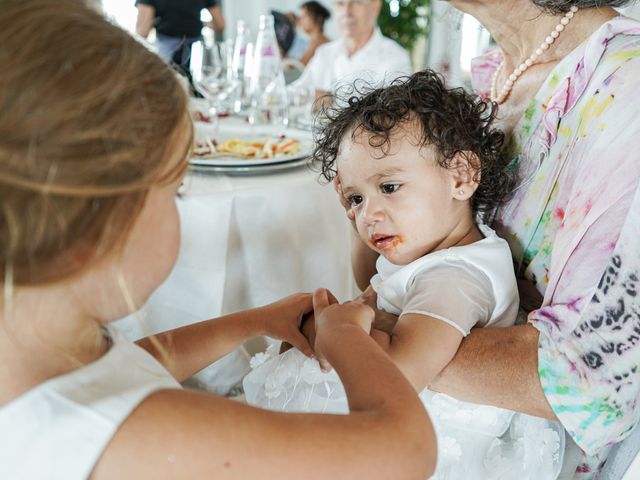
(300, 102)
(213, 78)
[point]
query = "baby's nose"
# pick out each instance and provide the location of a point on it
(372, 212)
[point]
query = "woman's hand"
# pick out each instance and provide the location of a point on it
(330, 315)
(282, 320)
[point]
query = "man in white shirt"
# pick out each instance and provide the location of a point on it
(362, 52)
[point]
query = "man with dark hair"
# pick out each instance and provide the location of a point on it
(177, 24)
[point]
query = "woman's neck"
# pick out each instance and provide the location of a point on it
(44, 333)
(519, 27)
(317, 36)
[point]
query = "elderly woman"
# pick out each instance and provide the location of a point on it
(566, 82)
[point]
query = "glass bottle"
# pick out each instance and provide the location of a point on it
(268, 92)
(240, 66)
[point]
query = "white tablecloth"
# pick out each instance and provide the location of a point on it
(247, 241)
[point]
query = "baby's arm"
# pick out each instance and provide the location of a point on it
(421, 346)
(440, 306)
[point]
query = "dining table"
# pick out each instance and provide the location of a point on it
(250, 235)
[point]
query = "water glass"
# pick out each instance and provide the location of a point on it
(212, 75)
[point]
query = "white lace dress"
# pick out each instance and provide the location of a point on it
(465, 287)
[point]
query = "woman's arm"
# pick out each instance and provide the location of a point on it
(144, 21)
(187, 350)
(182, 434)
(497, 366)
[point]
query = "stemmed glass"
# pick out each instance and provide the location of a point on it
(212, 75)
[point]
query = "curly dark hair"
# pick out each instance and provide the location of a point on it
(452, 121)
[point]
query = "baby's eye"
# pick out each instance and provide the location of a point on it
(390, 187)
(355, 200)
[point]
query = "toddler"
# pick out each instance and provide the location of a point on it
(416, 166)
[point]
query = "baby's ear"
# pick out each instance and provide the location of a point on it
(465, 172)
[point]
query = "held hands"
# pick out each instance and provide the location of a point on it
(282, 320)
(383, 321)
(331, 316)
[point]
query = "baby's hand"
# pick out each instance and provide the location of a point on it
(343, 200)
(330, 315)
(383, 321)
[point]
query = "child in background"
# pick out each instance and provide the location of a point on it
(417, 164)
(94, 140)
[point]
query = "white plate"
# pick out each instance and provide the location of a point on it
(231, 161)
(248, 169)
(222, 160)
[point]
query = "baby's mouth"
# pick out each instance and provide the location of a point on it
(384, 242)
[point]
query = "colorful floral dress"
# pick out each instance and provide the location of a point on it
(573, 225)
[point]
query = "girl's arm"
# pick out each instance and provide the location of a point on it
(181, 434)
(187, 350)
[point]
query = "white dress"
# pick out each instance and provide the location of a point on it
(59, 429)
(466, 286)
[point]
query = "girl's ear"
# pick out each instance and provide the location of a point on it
(465, 174)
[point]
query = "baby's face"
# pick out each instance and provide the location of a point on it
(404, 203)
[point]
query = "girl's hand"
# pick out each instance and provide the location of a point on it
(344, 201)
(329, 315)
(282, 320)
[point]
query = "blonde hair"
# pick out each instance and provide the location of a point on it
(87, 118)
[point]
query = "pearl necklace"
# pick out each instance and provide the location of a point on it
(520, 69)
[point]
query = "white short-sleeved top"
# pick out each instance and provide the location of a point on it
(59, 429)
(378, 62)
(465, 286)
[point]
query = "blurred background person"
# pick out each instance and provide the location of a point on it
(311, 20)
(178, 25)
(362, 52)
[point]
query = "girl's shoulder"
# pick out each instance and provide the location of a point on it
(64, 423)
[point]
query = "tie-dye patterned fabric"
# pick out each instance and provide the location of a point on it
(574, 228)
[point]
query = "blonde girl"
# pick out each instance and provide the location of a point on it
(94, 134)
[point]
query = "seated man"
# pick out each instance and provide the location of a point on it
(362, 52)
